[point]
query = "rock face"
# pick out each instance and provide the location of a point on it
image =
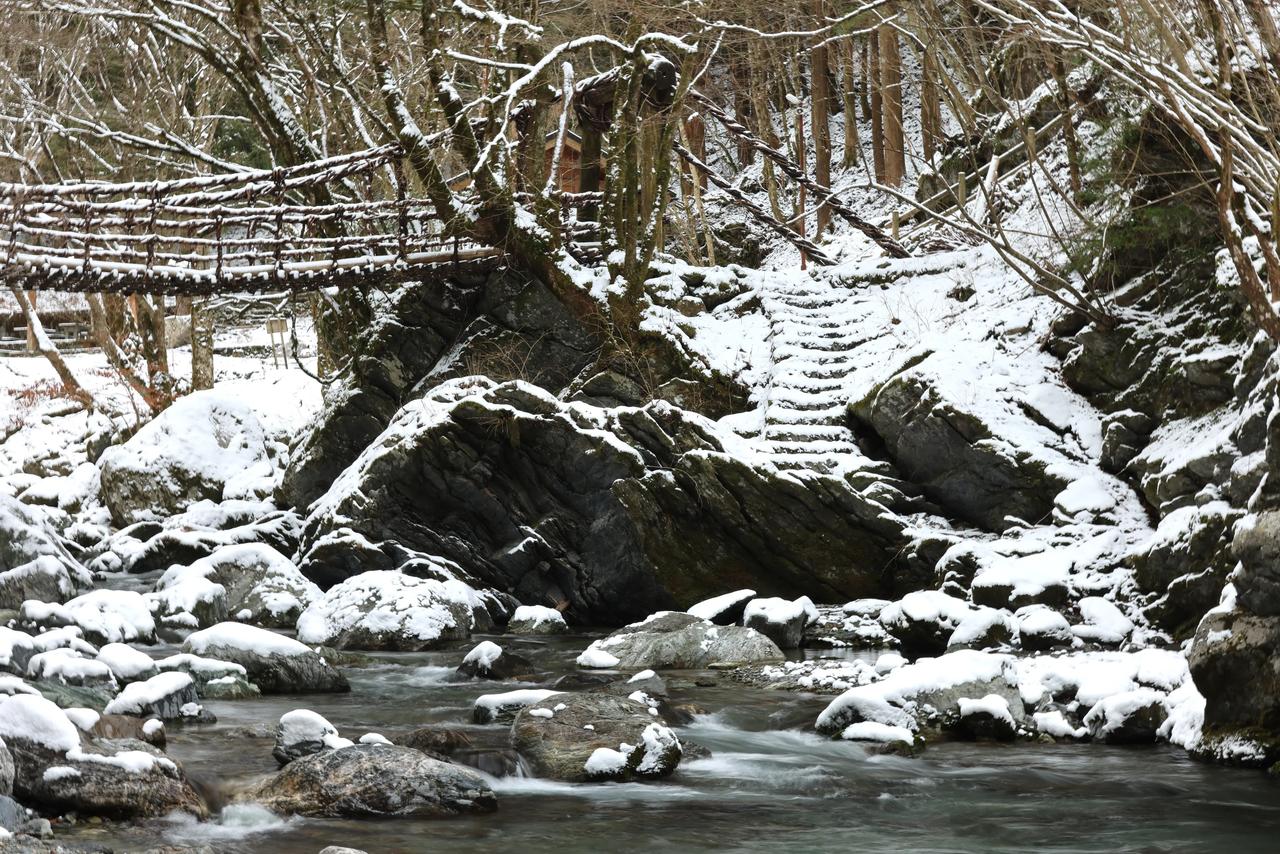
(954, 457)
(387, 609)
(373, 781)
(207, 445)
(679, 641)
(6, 770)
(276, 664)
(617, 512)
(1187, 563)
(493, 324)
(592, 737)
(1236, 648)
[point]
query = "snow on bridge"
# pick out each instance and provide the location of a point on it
(232, 232)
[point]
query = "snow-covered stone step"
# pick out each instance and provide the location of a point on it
(780, 413)
(849, 333)
(790, 400)
(806, 382)
(820, 464)
(814, 447)
(808, 433)
(786, 320)
(831, 305)
(806, 357)
(822, 345)
(830, 371)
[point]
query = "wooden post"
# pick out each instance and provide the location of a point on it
(278, 326)
(32, 344)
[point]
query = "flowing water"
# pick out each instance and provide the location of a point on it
(770, 785)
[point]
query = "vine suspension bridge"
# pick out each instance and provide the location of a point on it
(241, 232)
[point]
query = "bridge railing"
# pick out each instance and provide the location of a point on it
(242, 231)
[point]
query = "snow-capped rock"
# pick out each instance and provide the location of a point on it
(276, 664)
(386, 609)
(207, 445)
(780, 620)
(251, 582)
(373, 781)
(302, 732)
(624, 741)
(675, 640)
(537, 620)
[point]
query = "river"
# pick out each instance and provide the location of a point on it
(770, 785)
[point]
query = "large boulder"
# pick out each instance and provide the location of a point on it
(387, 609)
(207, 445)
(1257, 547)
(617, 512)
(961, 461)
(1131, 717)
(725, 609)
(259, 585)
(924, 621)
(497, 324)
(780, 620)
(373, 781)
(59, 769)
(1186, 563)
(45, 579)
(678, 641)
(275, 663)
(594, 737)
(536, 620)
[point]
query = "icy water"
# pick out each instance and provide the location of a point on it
(770, 785)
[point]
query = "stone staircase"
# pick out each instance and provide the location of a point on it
(812, 343)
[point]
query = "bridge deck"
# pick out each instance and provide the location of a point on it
(236, 233)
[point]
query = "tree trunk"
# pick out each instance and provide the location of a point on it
(852, 145)
(930, 108)
(117, 359)
(895, 155)
(820, 103)
(877, 111)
